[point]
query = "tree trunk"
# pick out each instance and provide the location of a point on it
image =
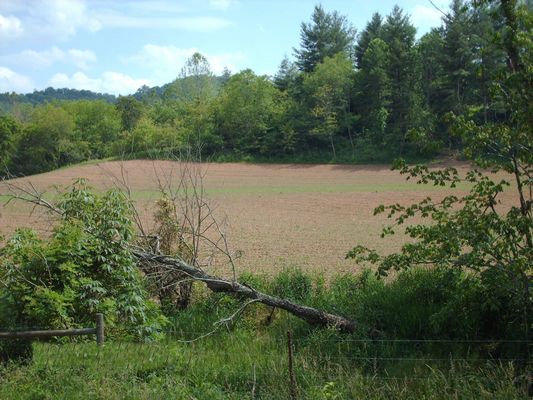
(311, 315)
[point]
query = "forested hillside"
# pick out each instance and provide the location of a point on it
(347, 95)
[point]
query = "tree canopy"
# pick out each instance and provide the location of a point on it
(343, 97)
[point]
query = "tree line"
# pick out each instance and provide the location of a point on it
(346, 96)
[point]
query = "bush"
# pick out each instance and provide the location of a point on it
(292, 284)
(84, 268)
(19, 351)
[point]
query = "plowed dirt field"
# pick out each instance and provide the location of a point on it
(307, 216)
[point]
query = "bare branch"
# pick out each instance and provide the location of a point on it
(311, 315)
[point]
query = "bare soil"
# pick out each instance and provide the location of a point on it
(308, 216)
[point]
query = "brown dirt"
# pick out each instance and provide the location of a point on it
(308, 216)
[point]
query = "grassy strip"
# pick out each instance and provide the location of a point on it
(232, 367)
(416, 357)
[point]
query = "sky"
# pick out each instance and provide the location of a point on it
(116, 46)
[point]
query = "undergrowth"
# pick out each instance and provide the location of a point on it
(413, 343)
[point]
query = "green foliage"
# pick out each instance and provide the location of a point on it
(399, 35)
(375, 90)
(292, 284)
(85, 267)
(286, 76)
(47, 142)
(466, 233)
(97, 125)
(417, 304)
(327, 35)
(249, 115)
(147, 138)
(372, 31)
(328, 90)
(130, 110)
(189, 100)
(397, 102)
(197, 83)
(9, 131)
(474, 232)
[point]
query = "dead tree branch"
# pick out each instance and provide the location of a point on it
(311, 315)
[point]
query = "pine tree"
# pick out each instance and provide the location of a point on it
(488, 59)
(326, 35)
(457, 60)
(371, 32)
(399, 34)
(374, 90)
(286, 74)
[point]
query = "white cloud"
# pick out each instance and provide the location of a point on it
(118, 83)
(63, 17)
(109, 82)
(156, 6)
(195, 24)
(82, 59)
(10, 26)
(165, 62)
(12, 81)
(231, 61)
(220, 4)
(426, 17)
(56, 18)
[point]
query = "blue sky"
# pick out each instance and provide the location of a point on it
(117, 46)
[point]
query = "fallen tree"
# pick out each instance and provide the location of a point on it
(311, 315)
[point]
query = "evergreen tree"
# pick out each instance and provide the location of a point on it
(429, 50)
(399, 34)
(286, 75)
(326, 35)
(457, 59)
(374, 86)
(489, 60)
(130, 110)
(224, 78)
(371, 32)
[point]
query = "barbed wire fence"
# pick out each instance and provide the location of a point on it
(293, 357)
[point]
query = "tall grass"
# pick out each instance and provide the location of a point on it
(233, 366)
(412, 344)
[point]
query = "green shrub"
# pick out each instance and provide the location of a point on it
(84, 268)
(292, 284)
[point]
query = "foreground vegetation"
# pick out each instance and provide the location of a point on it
(251, 360)
(198, 372)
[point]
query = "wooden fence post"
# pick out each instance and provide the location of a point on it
(292, 379)
(100, 334)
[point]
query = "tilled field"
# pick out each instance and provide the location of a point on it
(307, 216)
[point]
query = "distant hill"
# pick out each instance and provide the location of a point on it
(145, 93)
(8, 100)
